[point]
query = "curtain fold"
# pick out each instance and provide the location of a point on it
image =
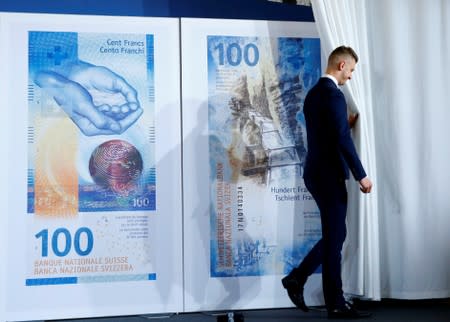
(398, 244)
(344, 23)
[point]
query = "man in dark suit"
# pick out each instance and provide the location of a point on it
(331, 154)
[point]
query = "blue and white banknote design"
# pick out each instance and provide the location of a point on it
(263, 219)
(91, 158)
(91, 123)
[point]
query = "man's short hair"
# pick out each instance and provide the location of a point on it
(340, 52)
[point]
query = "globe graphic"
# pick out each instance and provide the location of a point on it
(116, 164)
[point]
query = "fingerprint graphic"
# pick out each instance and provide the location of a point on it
(117, 165)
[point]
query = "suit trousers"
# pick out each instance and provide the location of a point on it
(331, 199)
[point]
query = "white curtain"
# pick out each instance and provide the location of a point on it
(410, 73)
(404, 46)
(341, 23)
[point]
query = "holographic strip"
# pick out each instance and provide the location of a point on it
(89, 279)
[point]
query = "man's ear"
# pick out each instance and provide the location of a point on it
(341, 65)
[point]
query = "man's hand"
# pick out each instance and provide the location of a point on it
(365, 185)
(352, 118)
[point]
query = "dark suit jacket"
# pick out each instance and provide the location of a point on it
(331, 152)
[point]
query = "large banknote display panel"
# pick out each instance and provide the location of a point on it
(248, 218)
(91, 200)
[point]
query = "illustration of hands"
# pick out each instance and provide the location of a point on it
(98, 101)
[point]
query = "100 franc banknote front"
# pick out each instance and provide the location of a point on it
(91, 123)
(91, 157)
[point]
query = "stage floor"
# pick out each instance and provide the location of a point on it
(385, 310)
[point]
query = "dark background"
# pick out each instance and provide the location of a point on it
(227, 9)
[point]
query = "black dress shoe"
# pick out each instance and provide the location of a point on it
(347, 312)
(295, 292)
